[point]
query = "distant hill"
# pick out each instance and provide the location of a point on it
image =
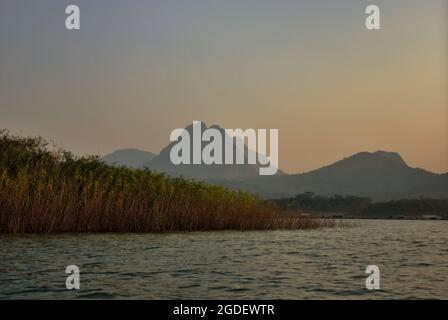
(132, 158)
(379, 175)
(238, 173)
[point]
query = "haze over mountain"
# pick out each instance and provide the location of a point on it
(132, 158)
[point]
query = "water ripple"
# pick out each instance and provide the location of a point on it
(313, 264)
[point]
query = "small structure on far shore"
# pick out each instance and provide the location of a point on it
(431, 217)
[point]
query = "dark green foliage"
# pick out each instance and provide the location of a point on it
(410, 207)
(311, 202)
(44, 191)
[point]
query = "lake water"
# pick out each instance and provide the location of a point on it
(314, 264)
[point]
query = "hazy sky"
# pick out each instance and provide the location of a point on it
(138, 69)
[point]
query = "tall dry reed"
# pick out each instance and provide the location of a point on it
(46, 191)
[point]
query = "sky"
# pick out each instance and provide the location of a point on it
(136, 70)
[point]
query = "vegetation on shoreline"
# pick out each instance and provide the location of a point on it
(362, 206)
(50, 191)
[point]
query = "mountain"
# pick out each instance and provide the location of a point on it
(379, 175)
(132, 158)
(232, 172)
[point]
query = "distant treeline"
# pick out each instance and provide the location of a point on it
(410, 207)
(44, 190)
(310, 202)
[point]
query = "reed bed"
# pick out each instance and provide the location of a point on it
(44, 190)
